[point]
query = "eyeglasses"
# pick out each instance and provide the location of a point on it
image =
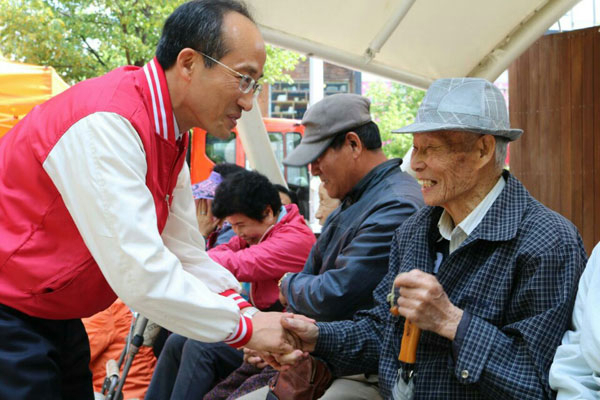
(247, 83)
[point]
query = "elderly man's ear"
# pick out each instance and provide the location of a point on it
(486, 149)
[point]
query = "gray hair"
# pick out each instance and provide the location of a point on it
(501, 147)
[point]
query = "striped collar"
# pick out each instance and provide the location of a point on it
(164, 119)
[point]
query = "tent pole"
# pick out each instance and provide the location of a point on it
(342, 58)
(387, 30)
(519, 40)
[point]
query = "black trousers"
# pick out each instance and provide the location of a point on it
(188, 369)
(42, 358)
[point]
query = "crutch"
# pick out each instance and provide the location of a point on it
(113, 384)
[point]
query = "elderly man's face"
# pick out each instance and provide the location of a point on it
(445, 164)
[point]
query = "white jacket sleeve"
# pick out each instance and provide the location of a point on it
(575, 371)
(182, 237)
(99, 168)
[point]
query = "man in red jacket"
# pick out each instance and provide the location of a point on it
(96, 202)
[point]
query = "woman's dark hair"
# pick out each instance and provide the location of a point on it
(245, 192)
(367, 133)
(282, 189)
(197, 24)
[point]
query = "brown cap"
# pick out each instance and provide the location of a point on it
(334, 114)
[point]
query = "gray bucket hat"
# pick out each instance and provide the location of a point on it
(324, 120)
(463, 104)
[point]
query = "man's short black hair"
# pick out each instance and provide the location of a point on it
(245, 192)
(197, 24)
(367, 133)
(224, 169)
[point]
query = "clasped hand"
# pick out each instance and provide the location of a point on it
(281, 339)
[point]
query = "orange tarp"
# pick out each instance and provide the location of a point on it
(22, 87)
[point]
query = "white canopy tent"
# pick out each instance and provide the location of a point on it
(411, 41)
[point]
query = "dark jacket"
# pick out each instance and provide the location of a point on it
(351, 256)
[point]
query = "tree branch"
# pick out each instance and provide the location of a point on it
(94, 52)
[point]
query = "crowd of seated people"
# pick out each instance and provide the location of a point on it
(484, 276)
(249, 376)
(351, 254)
(490, 278)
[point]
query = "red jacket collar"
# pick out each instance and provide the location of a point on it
(162, 109)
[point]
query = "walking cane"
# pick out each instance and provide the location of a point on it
(408, 349)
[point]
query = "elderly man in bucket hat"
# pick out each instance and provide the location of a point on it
(486, 272)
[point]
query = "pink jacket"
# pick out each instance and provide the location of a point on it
(284, 248)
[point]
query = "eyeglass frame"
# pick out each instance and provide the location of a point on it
(253, 86)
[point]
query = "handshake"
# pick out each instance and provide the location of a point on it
(282, 339)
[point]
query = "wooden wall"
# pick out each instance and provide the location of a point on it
(554, 96)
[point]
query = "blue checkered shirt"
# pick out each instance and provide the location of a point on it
(516, 274)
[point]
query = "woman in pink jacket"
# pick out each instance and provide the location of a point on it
(271, 240)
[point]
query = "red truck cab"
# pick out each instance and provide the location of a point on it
(284, 136)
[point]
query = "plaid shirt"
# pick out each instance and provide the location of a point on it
(516, 274)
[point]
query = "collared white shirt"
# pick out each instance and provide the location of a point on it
(456, 235)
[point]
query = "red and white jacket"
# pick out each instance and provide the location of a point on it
(95, 199)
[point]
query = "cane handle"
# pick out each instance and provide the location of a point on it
(410, 341)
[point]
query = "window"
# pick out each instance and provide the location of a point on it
(221, 150)
(295, 175)
(276, 139)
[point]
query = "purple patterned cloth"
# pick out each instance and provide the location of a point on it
(206, 189)
(246, 379)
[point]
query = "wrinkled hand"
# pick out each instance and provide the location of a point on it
(305, 331)
(269, 336)
(254, 357)
(424, 302)
(207, 223)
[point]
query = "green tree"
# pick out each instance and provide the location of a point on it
(279, 63)
(393, 106)
(87, 38)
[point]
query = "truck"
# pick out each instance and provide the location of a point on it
(284, 136)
